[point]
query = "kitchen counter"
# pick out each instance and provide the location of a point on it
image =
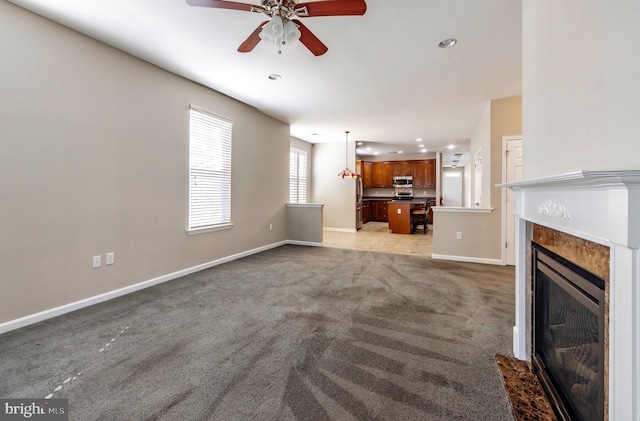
(412, 201)
(400, 215)
(391, 199)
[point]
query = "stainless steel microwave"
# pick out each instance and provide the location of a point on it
(403, 181)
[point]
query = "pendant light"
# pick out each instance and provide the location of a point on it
(347, 173)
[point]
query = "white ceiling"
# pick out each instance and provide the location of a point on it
(384, 77)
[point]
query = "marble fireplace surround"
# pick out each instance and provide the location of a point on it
(602, 207)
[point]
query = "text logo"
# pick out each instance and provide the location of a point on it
(34, 409)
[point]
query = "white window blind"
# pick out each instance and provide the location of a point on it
(209, 170)
(297, 176)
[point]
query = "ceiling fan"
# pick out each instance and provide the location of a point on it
(283, 27)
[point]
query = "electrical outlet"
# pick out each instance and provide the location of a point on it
(109, 258)
(97, 261)
(270, 227)
(459, 235)
(399, 211)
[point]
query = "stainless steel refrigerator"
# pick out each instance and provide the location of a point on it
(358, 202)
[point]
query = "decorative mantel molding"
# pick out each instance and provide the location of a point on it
(582, 180)
(600, 206)
(554, 209)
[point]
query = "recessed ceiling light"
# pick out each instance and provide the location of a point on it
(368, 149)
(375, 153)
(419, 139)
(421, 146)
(423, 150)
(314, 134)
(274, 76)
(451, 146)
(360, 143)
(449, 42)
(399, 151)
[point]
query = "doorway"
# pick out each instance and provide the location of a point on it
(452, 186)
(511, 172)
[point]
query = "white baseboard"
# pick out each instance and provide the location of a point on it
(349, 230)
(67, 308)
(467, 259)
(304, 243)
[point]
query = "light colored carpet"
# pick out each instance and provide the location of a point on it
(294, 333)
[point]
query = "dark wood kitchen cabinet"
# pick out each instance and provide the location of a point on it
(383, 211)
(367, 174)
(430, 174)
(372, 210)
(376, 174)
(380, 174)
(424, 174)
(365, 211)
(402, 168)
(375, 210)
(417, 170)
(430, 211)
(387, 174)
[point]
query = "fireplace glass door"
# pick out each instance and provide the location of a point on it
(569, 336)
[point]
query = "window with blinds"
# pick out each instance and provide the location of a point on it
(297, 176)
(209, 171)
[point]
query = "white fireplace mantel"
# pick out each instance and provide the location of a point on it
(603, 207)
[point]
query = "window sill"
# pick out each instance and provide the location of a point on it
(210, 229)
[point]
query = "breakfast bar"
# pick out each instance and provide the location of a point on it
(400, 214)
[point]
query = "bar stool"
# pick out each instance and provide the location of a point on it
(419, 217)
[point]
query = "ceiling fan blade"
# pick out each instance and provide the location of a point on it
(311, 41)
(250, 43)
(333, 8)
(221, 4)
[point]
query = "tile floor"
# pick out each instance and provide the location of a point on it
(376, 236)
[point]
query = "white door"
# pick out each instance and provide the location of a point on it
(452, 187)
(513, 152)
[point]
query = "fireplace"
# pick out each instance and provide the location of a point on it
(583, 208)
(568, 341)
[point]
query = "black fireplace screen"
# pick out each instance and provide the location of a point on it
(569, 335)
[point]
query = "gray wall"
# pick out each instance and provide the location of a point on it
(338, 195)
(580, 86)
(482, 233)
(304, 224)
(94, 159)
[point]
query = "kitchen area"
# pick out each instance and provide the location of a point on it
(393, 191)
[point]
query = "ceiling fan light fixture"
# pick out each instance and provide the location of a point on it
(291, 33)
(280, 13)
(273, 30)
